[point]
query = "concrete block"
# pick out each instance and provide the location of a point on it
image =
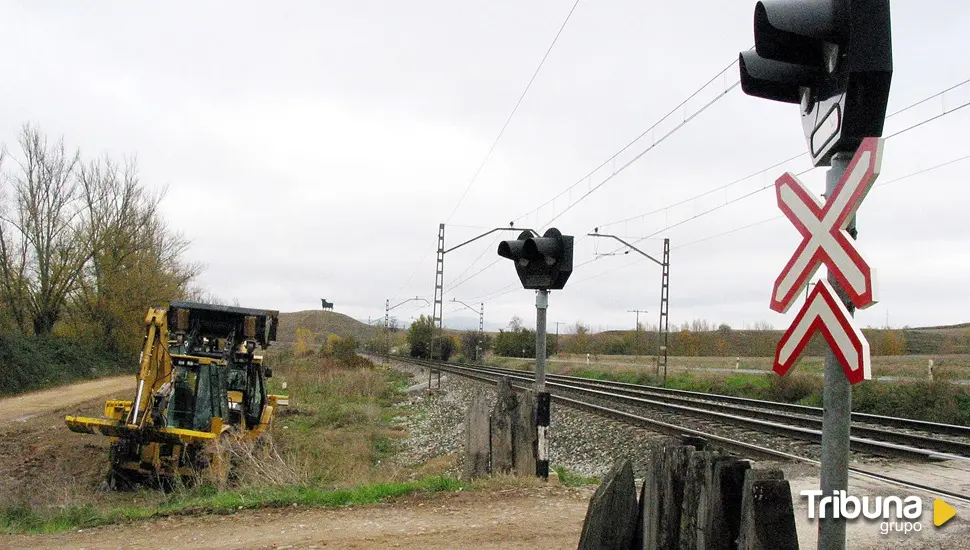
(648, 520)
(767, 516)
(694, 509)
(524, 435)
(501, 428)
(477, 444)
(612, 514)
(676, 459)
(723, 521)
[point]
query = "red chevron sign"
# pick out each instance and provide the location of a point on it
(824, 312)
(824, 238)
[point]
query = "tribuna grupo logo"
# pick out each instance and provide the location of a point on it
(898, 514)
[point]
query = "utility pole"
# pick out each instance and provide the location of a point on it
(479, 351)
(663, 328)
(439, 279)
(387, 316)
(636, 343)
(558, 349)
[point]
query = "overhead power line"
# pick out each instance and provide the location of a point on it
(512, 114)
(495, 143)
(687, 117)
(413, 272)
(508, 289)
(944, 112)
(772, 184)
(778, 217)
(768, 220)
(612, 159)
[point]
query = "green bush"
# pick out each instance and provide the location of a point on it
(36, 362)
(793, 388)
(937, 401)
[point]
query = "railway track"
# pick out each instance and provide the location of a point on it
(748, 427)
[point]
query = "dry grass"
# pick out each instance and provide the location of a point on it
(337, 431)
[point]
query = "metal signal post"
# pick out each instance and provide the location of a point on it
(542, 264)
(837, 397)
(542, 396)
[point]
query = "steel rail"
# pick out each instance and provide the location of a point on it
(748, 449)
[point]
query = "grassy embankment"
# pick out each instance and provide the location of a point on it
(330, 450)
(940, 400)
(31, 363)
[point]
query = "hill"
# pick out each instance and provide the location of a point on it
(321, 323)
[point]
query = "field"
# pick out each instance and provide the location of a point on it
(950, 367)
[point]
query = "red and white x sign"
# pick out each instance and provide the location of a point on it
(825, 312)
(824, 238)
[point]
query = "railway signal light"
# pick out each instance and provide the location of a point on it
(542, 263)
(833, 58)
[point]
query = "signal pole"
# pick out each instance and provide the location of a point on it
(542, 264)
(837, 396)
(542, 396)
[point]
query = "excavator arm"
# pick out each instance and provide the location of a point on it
(133, 419)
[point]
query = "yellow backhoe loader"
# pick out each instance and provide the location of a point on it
(199, 388)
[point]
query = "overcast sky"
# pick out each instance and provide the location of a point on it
(311, 149)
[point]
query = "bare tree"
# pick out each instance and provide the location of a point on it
(135, 261)
(762, 326)
(42, 236)
(13, 264)
(86, 243)
(700, 325)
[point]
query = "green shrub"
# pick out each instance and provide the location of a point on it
(36, 362)
(936, 401)
(793, 388)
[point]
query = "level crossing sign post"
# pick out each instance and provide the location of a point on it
(828, 232)
(832, 58)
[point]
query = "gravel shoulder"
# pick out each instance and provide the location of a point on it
(23, 407)
(468, 519)
(584, 444)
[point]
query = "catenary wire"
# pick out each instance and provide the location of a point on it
(512, 114)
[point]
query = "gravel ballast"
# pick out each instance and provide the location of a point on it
(583, 443)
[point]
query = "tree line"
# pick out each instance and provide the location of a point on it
(691, 339)
(84, 248)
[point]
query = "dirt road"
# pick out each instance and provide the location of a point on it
(543, 517)
(24, 407)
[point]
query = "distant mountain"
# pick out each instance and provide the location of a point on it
(322, 323)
